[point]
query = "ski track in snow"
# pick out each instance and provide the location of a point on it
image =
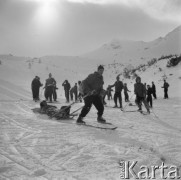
(36, 147)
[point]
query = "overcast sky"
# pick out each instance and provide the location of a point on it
(72, 27)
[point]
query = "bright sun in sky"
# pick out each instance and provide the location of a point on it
(46, 13)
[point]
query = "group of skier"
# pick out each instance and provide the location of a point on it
(91, 89)
(50, 88)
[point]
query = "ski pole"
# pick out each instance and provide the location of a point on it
(76, 110)
(127, 102)
(61, 110)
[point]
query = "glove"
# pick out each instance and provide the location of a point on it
(93, 92)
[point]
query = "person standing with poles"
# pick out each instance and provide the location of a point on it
(117, 95)
(154, 90)
(109, 94)
(35, 86)
(49, 86)
(126, 90)
(74, 91)
(92, 87)
(149, 93)
(67, 87)
(140, 91)
(165, 86)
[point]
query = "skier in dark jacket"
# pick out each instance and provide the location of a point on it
(73, 92)
(67, 87)
(49, 87)
(118, 88)
(149, 93)
(165, 86)
(126, 93)
(35, 86)
(140, 91)
(154, 90)
(92, 87)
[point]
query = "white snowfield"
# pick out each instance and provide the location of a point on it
(38, 148)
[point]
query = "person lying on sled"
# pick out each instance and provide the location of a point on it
(53, 111)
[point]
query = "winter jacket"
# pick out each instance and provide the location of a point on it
(74, 89)
(66, 86)
(139, 89)
(92, 82)
(126, 89)
(36, 84)
(165, 85)
(50, 82)
(118, 86)
(149, 91)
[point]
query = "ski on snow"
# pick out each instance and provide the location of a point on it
(98, 127)
(142, 112)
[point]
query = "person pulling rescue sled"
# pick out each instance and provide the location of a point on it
(154, 90)
(49, 87)
(35, 86)
(118, 88)
(126, 96)
(165, 86)
(67, 87)
(92, 86)
(140, 91)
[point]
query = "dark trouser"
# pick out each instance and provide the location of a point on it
(109, 95)
(54, 94)
(154, 94)
(117, 95)
(139, 101)
(80, 97)
(49, 93)
(75, 94)
(71, 96)
(67, 95)
(166, 93)
(126, 96)
(96, 101)
(35, 92)
(149, 100)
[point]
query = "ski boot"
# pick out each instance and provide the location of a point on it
(121, 108)
(139, 109)
(148, 111)
(100, 119)
(80, 120)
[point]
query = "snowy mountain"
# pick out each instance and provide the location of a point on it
(124, 51)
